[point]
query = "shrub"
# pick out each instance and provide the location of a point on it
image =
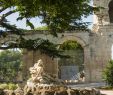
(9, 86)
(108, 73)
(12, 86)
(4, 86)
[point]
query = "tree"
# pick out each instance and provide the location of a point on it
(10, 64)
(58, 15)
(4, 22)
(108, 73)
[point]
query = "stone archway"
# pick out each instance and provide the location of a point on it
(82, 42)
(84, 45)
(71, 68)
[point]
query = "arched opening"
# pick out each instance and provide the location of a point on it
(110, 11)
(72, 69)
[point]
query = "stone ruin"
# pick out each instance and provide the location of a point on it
(42, 83)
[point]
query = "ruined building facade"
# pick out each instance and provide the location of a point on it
(97, 44)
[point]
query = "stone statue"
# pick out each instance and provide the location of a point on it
(37, 71)
(39, 76)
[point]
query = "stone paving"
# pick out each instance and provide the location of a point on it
(93, 85)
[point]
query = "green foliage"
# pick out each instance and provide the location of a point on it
(108, 73)
(45, 46)
(9, 86)
(42, 28)
(12, 86)
(4, 86)
(4, 22)
(70, 45)
(58, 15)
(10, 64)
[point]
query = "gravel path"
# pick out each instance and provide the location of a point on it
(107, 92)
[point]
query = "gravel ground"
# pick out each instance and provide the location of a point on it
(107, 92)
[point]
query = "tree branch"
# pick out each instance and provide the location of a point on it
(8, 47)
(9, 13)
(5, 15)
(2, 9)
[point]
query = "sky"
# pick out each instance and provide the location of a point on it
(22, 24)
(36, 21)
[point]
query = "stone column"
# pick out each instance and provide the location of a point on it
(27, 62)
(87, 65)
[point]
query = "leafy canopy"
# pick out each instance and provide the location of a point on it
(58, 15)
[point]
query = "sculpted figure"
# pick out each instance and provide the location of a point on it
(38, 75)
(37, 71)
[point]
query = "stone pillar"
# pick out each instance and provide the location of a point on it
(87, 65)
(27, 62)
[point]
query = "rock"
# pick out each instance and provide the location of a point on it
(42, 83)
(74, 92)
(19, 91)
(2, 92)
(61, 93)
(11, 92)
(49, 92)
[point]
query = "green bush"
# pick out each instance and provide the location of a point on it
(108, 73)
(12, 86)
(9, 86)
(4, 86)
